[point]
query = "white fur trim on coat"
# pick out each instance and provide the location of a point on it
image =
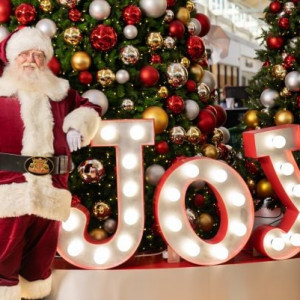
(28, 38)
(35, 289)
(37, 196)
(85, 120)
(10, 292)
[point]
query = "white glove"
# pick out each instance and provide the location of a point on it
(74, 139)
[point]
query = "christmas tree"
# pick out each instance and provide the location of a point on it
(139, 59)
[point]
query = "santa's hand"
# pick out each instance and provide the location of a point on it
(74, 139)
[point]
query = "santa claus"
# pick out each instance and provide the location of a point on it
(41, 121)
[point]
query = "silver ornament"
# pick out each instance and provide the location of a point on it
(99, 9)
(98, 98)
(177, 75)
(288, 7)
(292, 81)
(192, 217)
(169, 42)
(169, 15)
(194, 26)
(127, 104)
(153, 8)
(177, 135)
(267, 97)
(91, 170)
(198, 184)
(191, 109)
(154, 173)
(293, 42)
(122, 76)
(129, 55)
(209, 79)
(226, 135)
(3, 32)
(47, 26)
(203, 91)
(130, 31)
(110, 225)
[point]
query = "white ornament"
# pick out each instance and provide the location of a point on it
(153, 8)
(3, 33)
(98, 98)
(130, 32)
(122, 76)
(195, 24)
(99, 9)
(226, 135)
(209, 79)
(292, 81)
(191, 109)
(267, 98)
(47, 26)
(154, 173)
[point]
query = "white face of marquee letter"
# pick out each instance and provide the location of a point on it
(273, 147)
(128, 136)
(235, 204)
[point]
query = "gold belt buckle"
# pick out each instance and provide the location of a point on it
(39, 165)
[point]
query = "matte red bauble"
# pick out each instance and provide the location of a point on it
(162, 147)
(275, 7)
(204, 22)
(221, 115)
(155, 59)
(5, 11)
(284, 23)
(266, 63)
(289, 61)
(75, 14)
(85, 77)
(195, 47)
(175, 104)
(149, 76)
(25, 13)
(171, 3)
(103, 37)
(275, 42)
(191, 86)
(212, 109)
(132, 14)
(54, 65)
(206, 121)
(199, 200)
(176, 29)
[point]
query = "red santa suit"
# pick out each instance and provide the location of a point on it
(35, 123)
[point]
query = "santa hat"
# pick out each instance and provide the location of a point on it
(26, 38)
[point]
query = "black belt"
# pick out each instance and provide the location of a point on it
(37, 165)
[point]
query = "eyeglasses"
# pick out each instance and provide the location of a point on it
(37, 55)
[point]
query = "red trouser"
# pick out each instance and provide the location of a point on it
(27, 248)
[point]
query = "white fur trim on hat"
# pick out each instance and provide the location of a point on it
(28, 38)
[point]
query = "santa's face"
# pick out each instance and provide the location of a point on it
(31, 60)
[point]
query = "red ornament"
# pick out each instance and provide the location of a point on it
(203, 62)
(223, 151)
(149, 76)
(171, 3)
(212, 109)
(191, 86)
(132, 14)
(75, 14)
(155, 59)
(176, 29)
(221, 115)
(204, 22)
(5, 11)
(251, 167)
(266, 64)
(103, 37)
(54, 65)
(284, 23)
(206, 121)
(75, 201)
(162, 147)
(199, 200)
(275, 42)
(298, 101)
(289, 61)
(195, 47)
(203, 138)
(175, 104)
(85, 77)
(275, 7)
(25, 13)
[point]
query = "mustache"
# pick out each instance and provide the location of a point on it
(28, 64)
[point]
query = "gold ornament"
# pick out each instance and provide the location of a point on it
(264, 188)
(183, 15)
(127, 104)
(68, 3)
(278, 71)
(46, 5)
(161, 118)
(101, 210)
(163, 92)
(80, 61)
(190, 5)
(283, 117)
(177, 135)
(106, 77)
(197, 71)
(98, 234)
(285, 92)
(203, 91)
(218, 136)
(193, 135)
(72, 36)
(155, 40)
(185, 62)
(210, 151)
(251, 118)
(205, 221)
(251, 183)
